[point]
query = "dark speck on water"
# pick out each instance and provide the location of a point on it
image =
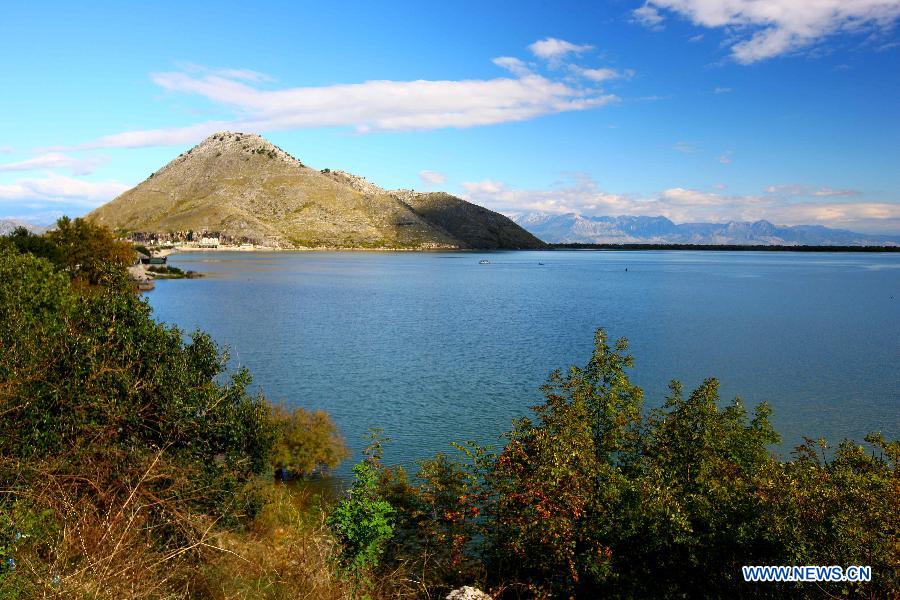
(436, 351)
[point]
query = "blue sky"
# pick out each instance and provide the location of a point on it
(699, 110)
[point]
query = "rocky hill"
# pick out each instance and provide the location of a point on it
(241, 186)
(575, 228)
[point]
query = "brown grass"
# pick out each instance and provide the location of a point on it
(106, 545)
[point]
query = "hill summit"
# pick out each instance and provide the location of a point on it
(241, 187)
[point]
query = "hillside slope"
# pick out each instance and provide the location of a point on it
(242, 186)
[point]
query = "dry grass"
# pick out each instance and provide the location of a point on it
(286, 553)
(106, 546)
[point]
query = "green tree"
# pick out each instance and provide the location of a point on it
(90, 253)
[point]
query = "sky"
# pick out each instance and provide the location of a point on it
(697, 110)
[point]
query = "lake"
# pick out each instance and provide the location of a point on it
(435, 347)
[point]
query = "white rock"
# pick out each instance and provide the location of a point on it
(467, 593)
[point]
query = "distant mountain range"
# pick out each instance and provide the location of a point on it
(575, 228)
(7, 226)
(241, 187)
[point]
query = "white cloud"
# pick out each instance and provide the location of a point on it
(598, 75)
(553, 49)
(648, 17)
(763, 29)
(243, 74)
(582, 195)
(684, 147)
(725, 158)
(54, 188)
(513, 65)
(722, 90)
(365, 107)
(56, 160)
(432, 178)
(795, 189)
(6, 149)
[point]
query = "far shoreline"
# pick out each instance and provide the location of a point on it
(166, 251)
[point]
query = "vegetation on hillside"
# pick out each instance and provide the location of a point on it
(134, 464)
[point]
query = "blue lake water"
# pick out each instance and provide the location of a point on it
(435, 347)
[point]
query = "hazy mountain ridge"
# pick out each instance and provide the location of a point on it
(242, 186)
(575, 228)
(7, 226)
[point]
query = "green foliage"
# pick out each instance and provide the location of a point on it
(593, 497)
(90, 384)
(90, 254)
(26, 242)
(24, 531)
(307, 440)
(362, 522)
(435, 524)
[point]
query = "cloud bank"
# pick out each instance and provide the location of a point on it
(59, 189)
(762, 29)
(56, 160)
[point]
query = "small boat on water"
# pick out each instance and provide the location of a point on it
(484, 261)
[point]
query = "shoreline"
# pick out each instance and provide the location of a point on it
(550, 248)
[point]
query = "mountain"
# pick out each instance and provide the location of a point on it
(575, 228)
(7, 226)
(242, 187)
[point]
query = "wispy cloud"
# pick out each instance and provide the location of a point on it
(762, 29)
(6, 149)
(553, 49)
(242, 74)
(684, 147)
(432, 178)
(56, 160)
(582, 195)
(725, 157)
(55, 188)
(649, 17)
(722, 90)
(794, 189)
(599, 75)
(370, 106)
(514, 65)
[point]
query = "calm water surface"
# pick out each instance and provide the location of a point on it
(436, 348)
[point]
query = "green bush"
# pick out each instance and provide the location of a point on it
(93, 389)
(594, 497)
(362, 521)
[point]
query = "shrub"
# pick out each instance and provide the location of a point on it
(594, 497)
(307, 441)
(361, 522)
(92, 378)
